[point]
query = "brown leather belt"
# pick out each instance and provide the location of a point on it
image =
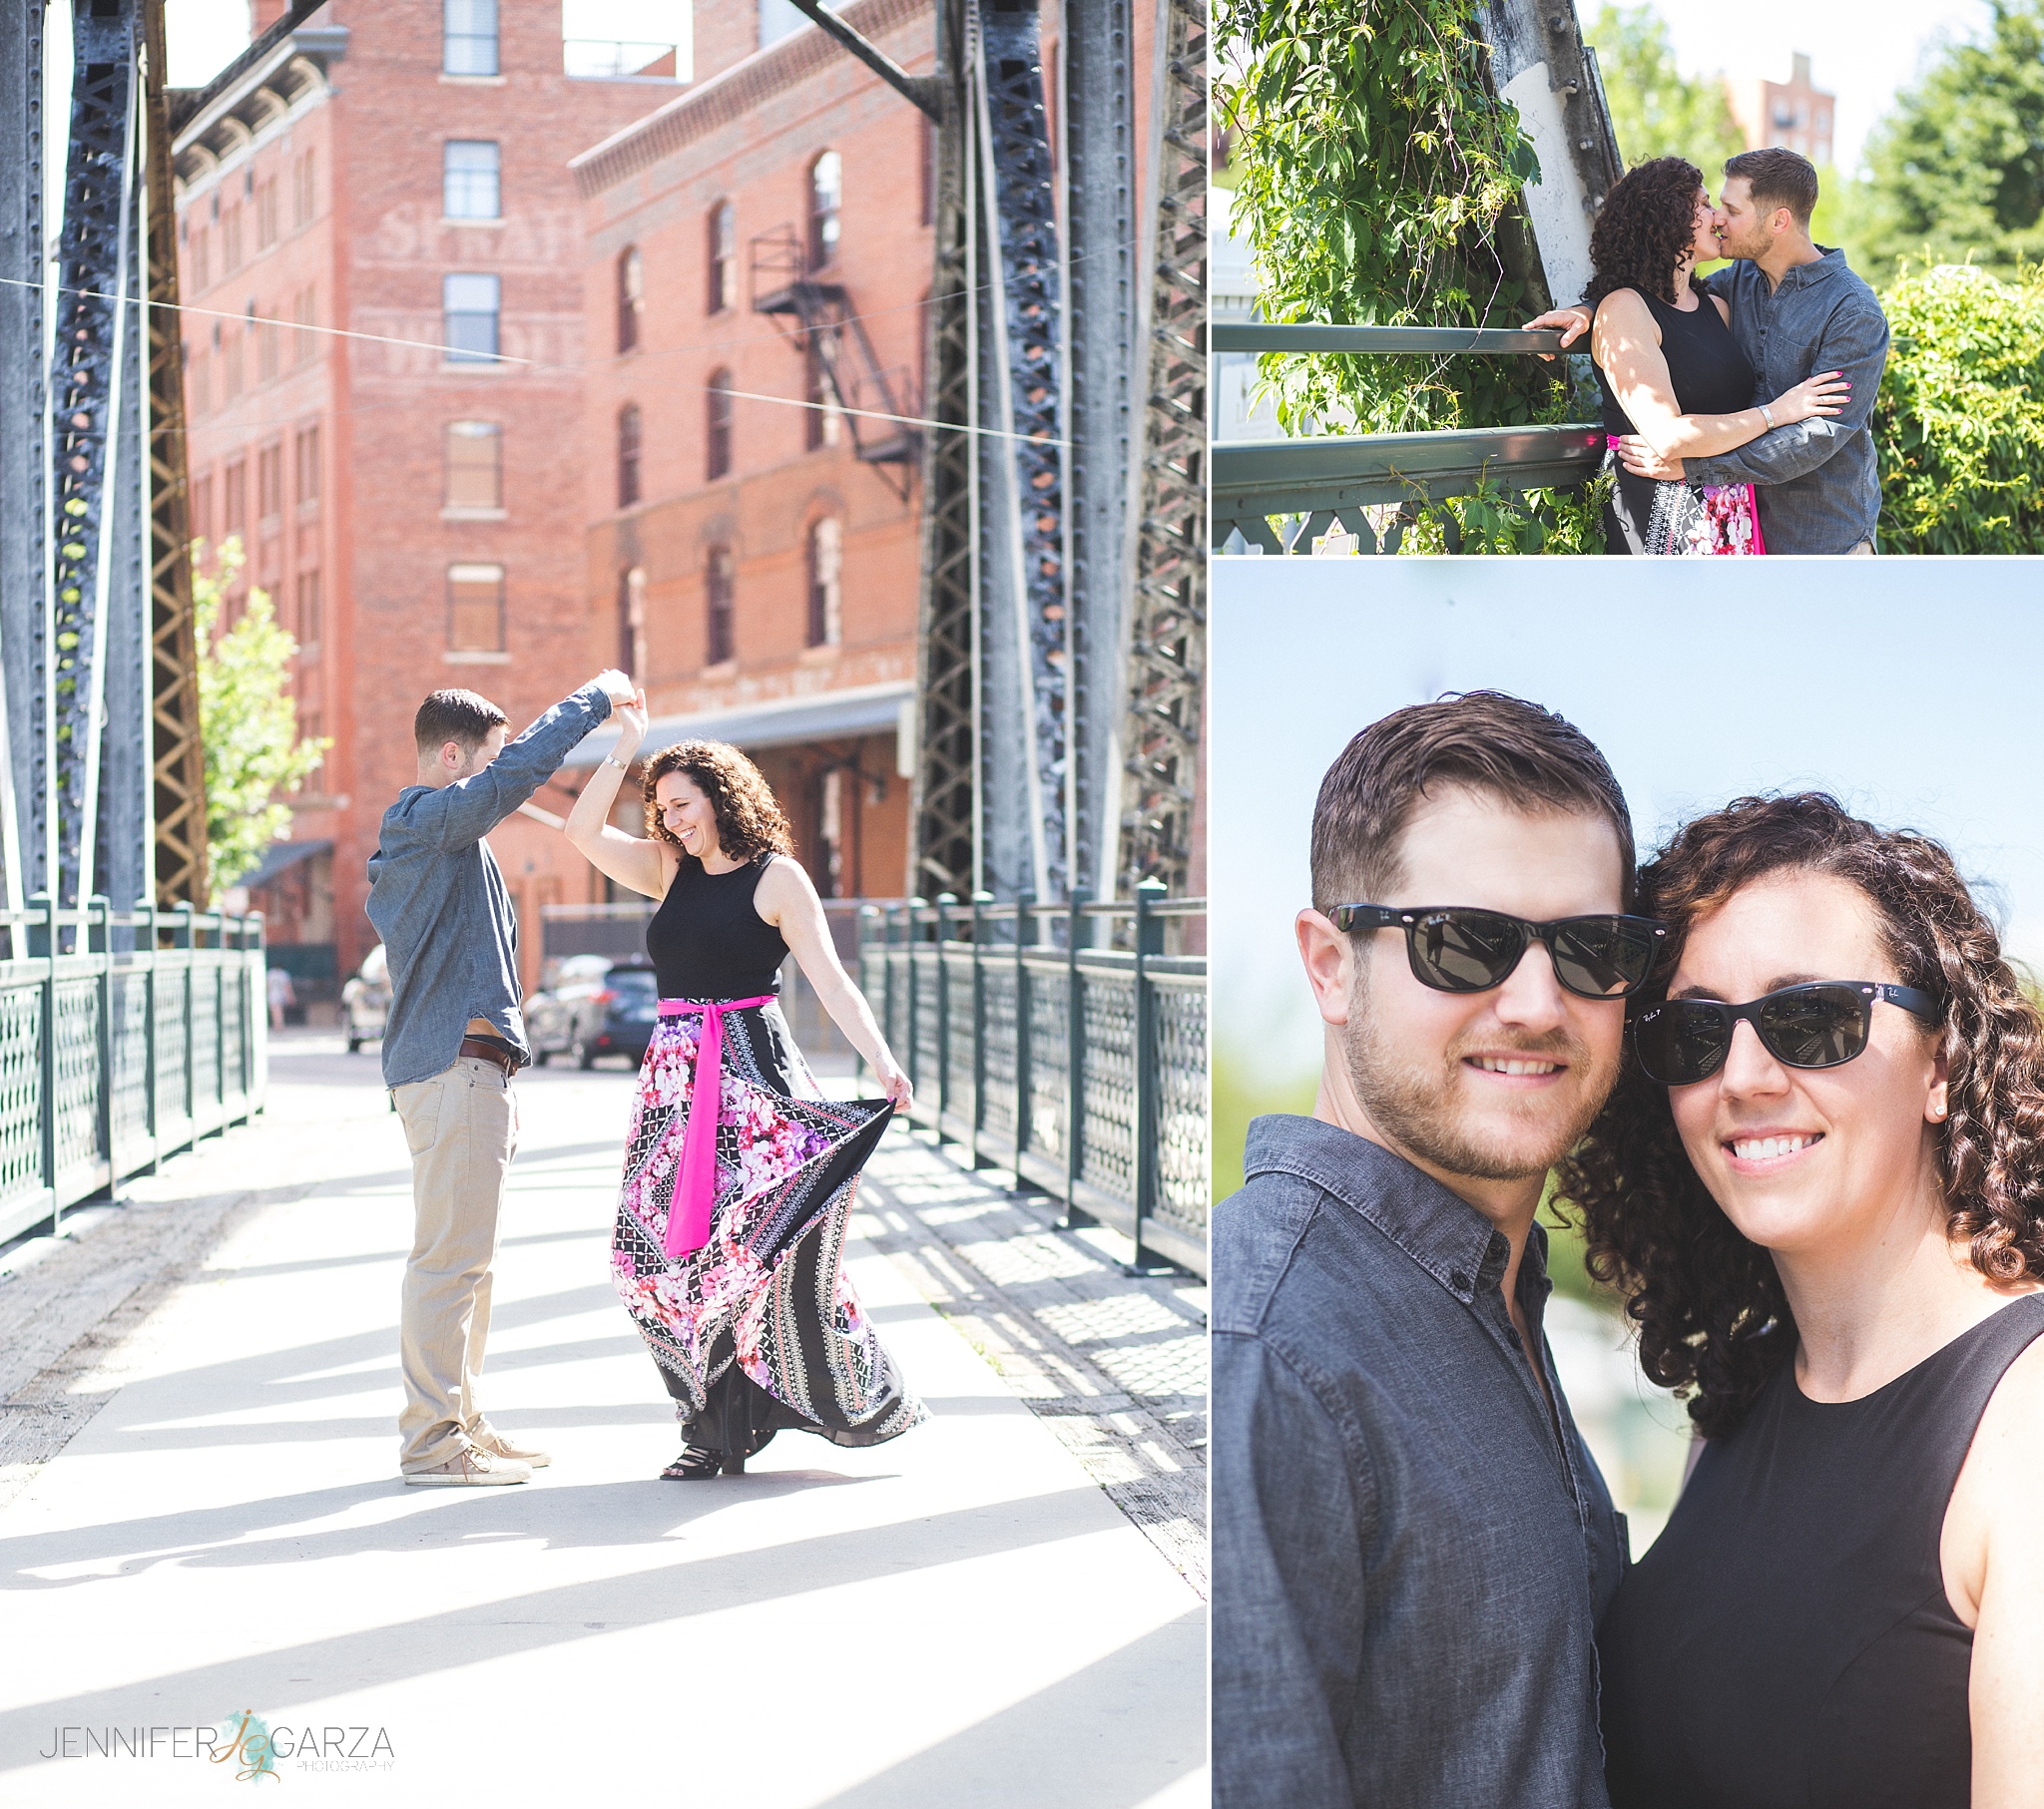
(490, 1053)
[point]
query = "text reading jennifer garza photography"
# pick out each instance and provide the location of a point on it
(244, 1741)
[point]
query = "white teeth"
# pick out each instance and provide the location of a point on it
(1491, 1064)
(1761, 1149)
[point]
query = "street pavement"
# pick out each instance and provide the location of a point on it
(1001, 1608)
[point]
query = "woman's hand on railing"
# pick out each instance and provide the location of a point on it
(1829, 392)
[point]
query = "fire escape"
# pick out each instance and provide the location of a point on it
(818, 317)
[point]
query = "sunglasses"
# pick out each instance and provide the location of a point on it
(1456, 949)
(1821, 1024)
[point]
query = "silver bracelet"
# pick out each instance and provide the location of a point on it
(621, 766)
(1767, 414)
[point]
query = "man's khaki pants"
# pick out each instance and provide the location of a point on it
(462, 1129)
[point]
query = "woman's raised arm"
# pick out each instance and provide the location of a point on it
(630, 860)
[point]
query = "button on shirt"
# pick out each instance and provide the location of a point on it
(1820, 483)
(1411, 1545)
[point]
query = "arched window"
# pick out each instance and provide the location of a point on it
(716, 426)
(826, 563)
(628, 455)
(631, 297)
(820, 420)
(719, 585)
(827, 195)
(724, 259)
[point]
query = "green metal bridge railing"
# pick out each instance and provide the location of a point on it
(150, 1034)
(1065, 1042)
(1332, 479)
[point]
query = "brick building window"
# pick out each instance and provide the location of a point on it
(632, 622)
(716, 425)
(631, 297)
(230, 241)
(470, 186)
(235, 488)
(201, 274)
(308, 619)
(304, 320)
(305, 463)
(304, 197)
(199, 526)
(829, 873)
(820, 420)
(720, 585)
(269, 216)
(475, 608)
(826, 193)
(474, 464)
(231, 386)
(724, 257)
(628, 455)
(269, 482)
(267, 349)
(469, 306)
(198, 385)
(826, 599)
(469, 37)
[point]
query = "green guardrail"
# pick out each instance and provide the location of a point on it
(1322, 482)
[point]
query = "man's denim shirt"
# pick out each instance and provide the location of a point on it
(438, 900)
(1820, 485)
(1412, 1552)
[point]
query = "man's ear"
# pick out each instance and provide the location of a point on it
(1330, 958)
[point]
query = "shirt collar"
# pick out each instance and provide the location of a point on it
(1444, 1234)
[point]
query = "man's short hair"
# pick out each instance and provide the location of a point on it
(1779, 178)
(1515, 751)
(455, 715)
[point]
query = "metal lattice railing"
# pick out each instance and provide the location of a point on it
(147, 1035)
(1324, 482)
(1067, 1043)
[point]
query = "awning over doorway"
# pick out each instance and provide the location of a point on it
(282, 856)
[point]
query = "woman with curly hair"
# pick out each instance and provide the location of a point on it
(739, 1175)
(1670, 371)
(1820, 1189)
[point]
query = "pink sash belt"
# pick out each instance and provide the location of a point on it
(687, 1212)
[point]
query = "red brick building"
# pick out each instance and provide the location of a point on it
(398, 171)
(753, 552)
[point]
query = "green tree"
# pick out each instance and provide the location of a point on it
(247, 722)
(1955, 172)
(1655, 110)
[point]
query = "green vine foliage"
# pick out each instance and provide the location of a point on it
(1960, 415)
(1378, 174)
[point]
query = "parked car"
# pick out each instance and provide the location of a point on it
(366, 1001)
(594, 1006)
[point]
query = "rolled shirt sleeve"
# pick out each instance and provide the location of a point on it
(1288, 1609)
(467, 810)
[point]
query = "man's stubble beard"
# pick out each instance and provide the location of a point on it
(1417, 1111)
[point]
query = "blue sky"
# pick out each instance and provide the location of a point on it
(1910, 687)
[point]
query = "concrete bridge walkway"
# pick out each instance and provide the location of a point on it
(201, 1517)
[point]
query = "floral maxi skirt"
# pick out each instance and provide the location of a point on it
(758, 1331)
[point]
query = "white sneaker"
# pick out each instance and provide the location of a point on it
(471, 1468)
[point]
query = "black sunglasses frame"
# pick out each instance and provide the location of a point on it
(1352, 917)
(1919, 1004)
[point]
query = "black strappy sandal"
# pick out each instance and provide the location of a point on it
(698, 1464)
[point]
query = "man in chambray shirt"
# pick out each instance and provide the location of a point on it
(1412, 1543)
(454, 1038)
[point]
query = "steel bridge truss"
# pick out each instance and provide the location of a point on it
(101, 774)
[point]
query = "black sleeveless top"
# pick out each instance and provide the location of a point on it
(707, 941)
(1786, 1643)
(1708, 375)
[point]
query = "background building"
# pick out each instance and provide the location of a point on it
(399, 170)
(1795, 114)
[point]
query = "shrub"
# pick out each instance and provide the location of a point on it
(1960, 422)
